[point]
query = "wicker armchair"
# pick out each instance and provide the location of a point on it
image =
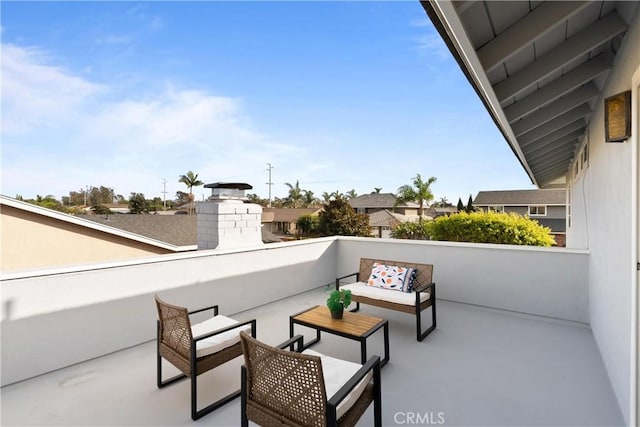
(286, 388)
(195, 349)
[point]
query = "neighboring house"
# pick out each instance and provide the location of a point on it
(374, 202)
(178, 230)
(546, 73)
(35, 237)
(382, 222)
(385, 213)
(436, 212)
(283, 220)
(548, 207)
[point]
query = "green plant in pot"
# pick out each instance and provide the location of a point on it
(337, 302)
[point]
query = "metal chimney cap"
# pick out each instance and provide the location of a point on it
(233, 185)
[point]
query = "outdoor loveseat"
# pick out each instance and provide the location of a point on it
(418, 293)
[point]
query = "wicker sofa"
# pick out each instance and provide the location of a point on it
(415, 302)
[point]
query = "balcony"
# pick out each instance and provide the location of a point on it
(513, 344)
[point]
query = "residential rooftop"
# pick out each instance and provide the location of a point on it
(480, 366)
(521, 197)
(378, 200)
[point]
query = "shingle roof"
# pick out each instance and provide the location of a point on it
(521, 197)
(385, 218)
(179, 230)
(81, 220)
(286, 214)
(377, 200)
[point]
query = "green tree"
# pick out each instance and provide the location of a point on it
(419, 192)
(137, 203)
(155, 204)
(254, 198)
(182, 198)
(310, 199)
(460, 205)
(469, 207)
(48, 201)
(377, 190)
(191, 180)
(308, 224)
(295, 199)
(339, 219)
(411, 230)
(76, 198)
(100, 210)
(100, 196)
(351, 194)
(443, 203)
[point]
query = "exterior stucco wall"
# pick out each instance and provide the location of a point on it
(76, 314)
(556, 212)
(32, 241)
(549, 282)
(602, 220)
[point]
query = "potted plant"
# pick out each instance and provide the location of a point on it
(337, 302)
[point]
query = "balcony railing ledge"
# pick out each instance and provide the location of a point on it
(28, 274)
(490, 246)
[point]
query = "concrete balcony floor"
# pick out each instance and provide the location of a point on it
(480, 367)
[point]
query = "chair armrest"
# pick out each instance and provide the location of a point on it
(228, 328)
(213, 307)
(373, 364)
(299, 339)
(424, 287)
(344, 277)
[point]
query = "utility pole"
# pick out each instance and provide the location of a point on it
(164, 192)
(269, 167)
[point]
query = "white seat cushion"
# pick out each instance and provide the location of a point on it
(406, 298)
(336, 373)
(217, 342)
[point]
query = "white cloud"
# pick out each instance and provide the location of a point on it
(35, 94)
(156, 23)
(433, 44)
(64, 127)
(420, 22)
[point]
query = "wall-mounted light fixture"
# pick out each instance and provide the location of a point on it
(617, 117)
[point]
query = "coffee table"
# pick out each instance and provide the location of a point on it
(354, 326)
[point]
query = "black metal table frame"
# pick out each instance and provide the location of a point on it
(384, 323)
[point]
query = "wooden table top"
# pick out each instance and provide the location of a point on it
(354, 324)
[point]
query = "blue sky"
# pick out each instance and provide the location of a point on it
(337, 95)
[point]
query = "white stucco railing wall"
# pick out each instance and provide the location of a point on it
(52, 319)
(58, 318)
(550, 282)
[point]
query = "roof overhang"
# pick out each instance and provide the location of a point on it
(538, 67)
(85, 223)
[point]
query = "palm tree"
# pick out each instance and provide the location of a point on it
(190, 180)
(326, 197)
(310, 199)
(377, 190)
(295, 197)
(420, 192)
(443, 202)
(351, 194)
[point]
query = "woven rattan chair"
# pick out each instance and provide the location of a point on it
(286, 388)
(195, 349)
